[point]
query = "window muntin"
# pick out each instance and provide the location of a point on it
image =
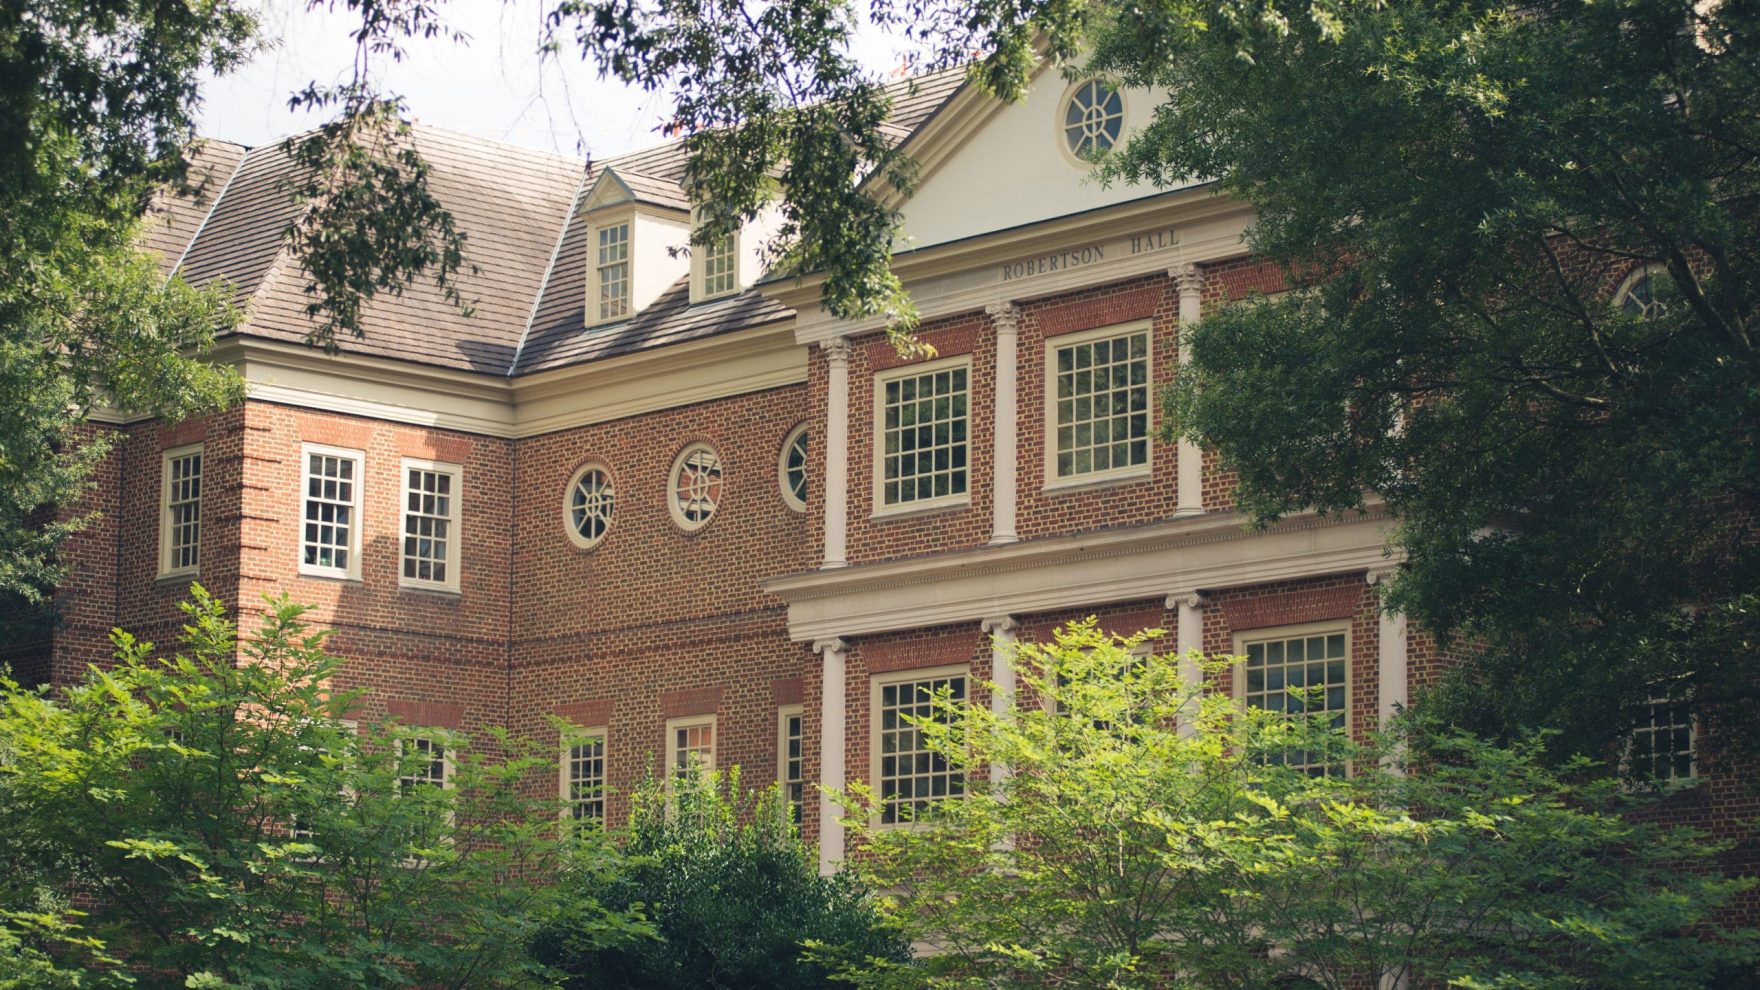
(180, 531)
(426, 763)
(1098, 415)
(924, 443)
(1661, 746)
(1093, 119)
(612, 270)
(583, 776)
(720, 266)
(791, 469)
(690, 746)
(696, 486)
(588, 504)
(430, 524)
(1312, 663)
(330, 539)
(791, 759)
(910, 778)
(1637, 294)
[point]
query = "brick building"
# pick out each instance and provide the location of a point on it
(689, 512)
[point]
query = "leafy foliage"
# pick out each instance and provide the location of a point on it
(1147, 834)
(1575, 479)
(731, 892)
(217, 822)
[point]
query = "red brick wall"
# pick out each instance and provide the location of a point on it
(655, 622)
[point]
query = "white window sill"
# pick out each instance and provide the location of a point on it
(328, 575)
(187, 574)
(446, 590)
(1083, 482)
(927, 508)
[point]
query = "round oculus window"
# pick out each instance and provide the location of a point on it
(696, 486)
(1093, 119)
(792, 469)
(1637, 297)
(587, 505)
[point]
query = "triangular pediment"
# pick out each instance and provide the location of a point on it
(990, 166)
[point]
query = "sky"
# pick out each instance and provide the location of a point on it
(493, 87)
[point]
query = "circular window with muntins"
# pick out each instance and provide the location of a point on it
(1637, 295)
(696, 486)
(587, 505)
(1093, 119)
(792, 469)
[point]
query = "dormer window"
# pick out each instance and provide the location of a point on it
(613, 272)
(721, 266)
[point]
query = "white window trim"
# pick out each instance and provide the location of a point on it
(783, 714)
(1670, 783)
(672, 506)
(574, 479)
(455, 527)
(1061, 135)
(1238, 688)
(686, 722)
(165, 568)
(875, 683)
(571, 738)
(1110, 476)
(624, 218)
(1650, 270)
(878, 438)
(441, 737)
(700, 271)
(782, 467)
(353, 571)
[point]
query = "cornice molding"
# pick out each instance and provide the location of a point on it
(600, 391)
(1079, 571)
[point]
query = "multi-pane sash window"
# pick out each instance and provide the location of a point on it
(690, 745)
(1661, 745)
(720, 267)
(923, 436)
(1301, 676)
(583, 777)
(912, 779)
(331, 515)
(1100, 405)
(790, 761)
(180, 535)
(430, 525)
(427, 765)
(613, 271)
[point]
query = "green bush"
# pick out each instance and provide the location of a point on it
(732, 893)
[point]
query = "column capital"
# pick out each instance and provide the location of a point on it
(1004, 315)
(837, 348)
(832, 645)
(1187, 599)
(999, 625)
(1381, 575)
(1187, 277)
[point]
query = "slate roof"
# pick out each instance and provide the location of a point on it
(517, 211)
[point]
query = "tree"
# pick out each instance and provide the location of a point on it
(1149, 832)
(1459, 189)
(215, 820)
(733, 896)
(96, 107)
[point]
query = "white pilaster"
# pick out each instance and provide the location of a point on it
(1392, 659)
(1005, 318)
(1189, 496)
(1189, 639)
(1001, 630)
(832, 731)
(836, 453)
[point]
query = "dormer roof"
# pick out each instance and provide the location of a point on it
(617, 185)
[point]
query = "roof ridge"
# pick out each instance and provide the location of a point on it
(549, 269)
(557, 156)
